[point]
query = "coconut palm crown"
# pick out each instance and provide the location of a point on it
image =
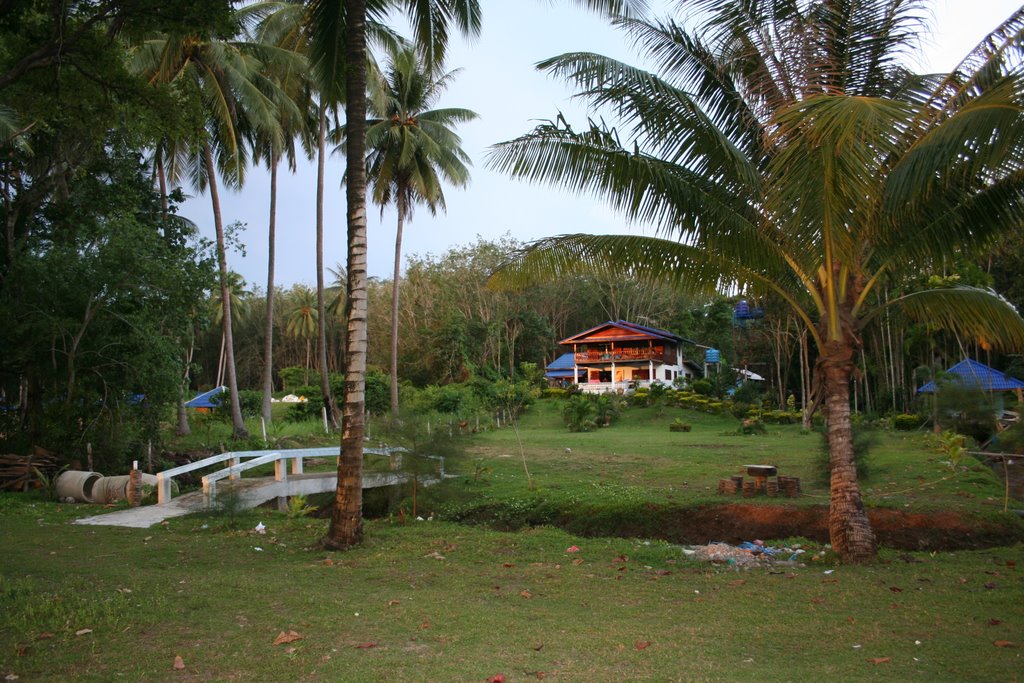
(784, 147)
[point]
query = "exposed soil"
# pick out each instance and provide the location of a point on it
(894, 529)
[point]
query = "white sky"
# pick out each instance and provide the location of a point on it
(499, 82)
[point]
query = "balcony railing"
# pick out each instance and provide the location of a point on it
(625, 355)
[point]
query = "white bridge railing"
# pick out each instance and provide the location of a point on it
(254, 459)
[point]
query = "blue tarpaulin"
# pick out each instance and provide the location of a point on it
(207, 399)
(974, 375)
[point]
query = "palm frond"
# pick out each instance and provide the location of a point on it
(969, 312)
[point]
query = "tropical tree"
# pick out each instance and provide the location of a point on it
(787, 150)
(239, 99)
(332, 20)
(412, 148)
(302, 319)
(281, 29)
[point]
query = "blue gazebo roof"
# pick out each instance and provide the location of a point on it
(975, 375)
(207, 399)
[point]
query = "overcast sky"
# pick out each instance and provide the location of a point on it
(499, 82)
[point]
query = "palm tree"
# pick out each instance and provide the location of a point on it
(239, 99)
(789, 152)
(411, 149)
(338, 36)
(302, 320)
(282, 28)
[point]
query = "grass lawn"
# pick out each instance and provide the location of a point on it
(440, 601)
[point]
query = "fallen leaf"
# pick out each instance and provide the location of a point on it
(179, 663)
(1011, 563)
(538, 647)
(44, 635)
(895, 589)
(508, 565)
(570, 549)
(817, 601)
(990, 585)
(526, 594)
(1004, 643)
(664, 572)
(991, 622)
(83, 631)
(791, 575)
(496, 678)
(392, 603)
(365, 646)
(642, 644)
(290, 650)
(283, 638)
(737, 582)
(425, 625)
(578, 561)
(879, 660)
(23, 651)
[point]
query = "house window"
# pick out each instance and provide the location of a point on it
(668, 374)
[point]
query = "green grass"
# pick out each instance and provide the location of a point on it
(440, 601)
(443, 602)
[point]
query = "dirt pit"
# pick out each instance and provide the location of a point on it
(893, 528)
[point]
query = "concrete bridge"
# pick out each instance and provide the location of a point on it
(254, 491)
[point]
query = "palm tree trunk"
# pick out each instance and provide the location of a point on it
(238, 425)
(346, 528)
(268, 342)
(394, 307)
(325, 380)
(848, 526)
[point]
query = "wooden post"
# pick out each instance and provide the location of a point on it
(134, 491)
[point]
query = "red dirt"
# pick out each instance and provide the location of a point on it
(893, 528)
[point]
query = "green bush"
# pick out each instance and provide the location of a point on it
(554, 392)
(702, 387)
(580, 414)
(677, 425)
(740, 410)
(752, 426)
(907, 422)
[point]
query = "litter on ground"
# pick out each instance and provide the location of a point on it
(749, 554)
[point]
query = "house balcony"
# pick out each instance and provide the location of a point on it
(625, 355)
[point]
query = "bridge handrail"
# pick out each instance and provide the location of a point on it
(163, 479)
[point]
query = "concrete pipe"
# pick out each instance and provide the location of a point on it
(113, 489)
(77, 485)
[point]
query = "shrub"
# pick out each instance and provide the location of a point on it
(752, 426)
(580, 414)
(677, 425)
(863, 442)
(702, 387)
(907, 422)
(554, 392)
(740, 410)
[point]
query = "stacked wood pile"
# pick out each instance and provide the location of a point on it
(18, 472)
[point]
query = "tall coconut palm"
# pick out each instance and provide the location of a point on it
(412, 148)
(282, 27)
(788, 151)
(332, 20)
(342, 63)
(302, 320)
(239, 98)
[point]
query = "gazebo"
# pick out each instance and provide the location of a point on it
(206, 401)
(971, 374)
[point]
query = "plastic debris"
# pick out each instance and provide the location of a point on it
(260, 528)
(746, 555)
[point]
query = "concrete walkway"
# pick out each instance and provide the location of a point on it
(252, 492)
